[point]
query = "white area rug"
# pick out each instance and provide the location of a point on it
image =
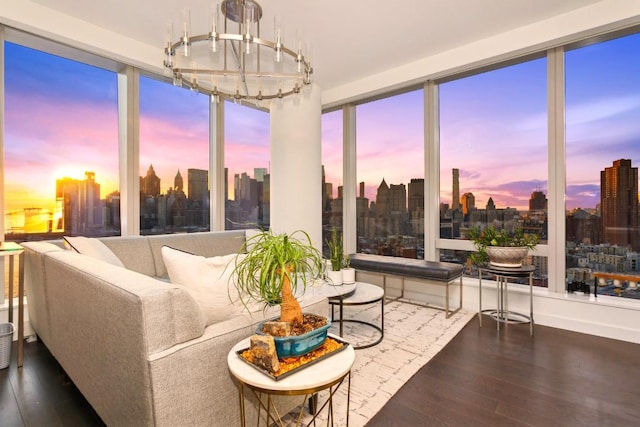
(412, 336)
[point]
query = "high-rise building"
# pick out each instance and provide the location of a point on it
(382, 200)
(468, 202)
(259, 174)
(416, 195)
(178, 182)
(198, 182)
(619, 204)
(455, 205)
(537, 201)
(150, 183)
(398, 200)
(82, 208)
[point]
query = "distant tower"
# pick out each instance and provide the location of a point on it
(416, 195)
(468, 202)
(619, 204)
(382, 200)
(491, 206)
(198, 181)
(178, 182)
(455, 205)
(398, 199)
(150, 184)
(537, 201)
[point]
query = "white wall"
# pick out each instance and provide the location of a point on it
(597, 18)
(296, 171)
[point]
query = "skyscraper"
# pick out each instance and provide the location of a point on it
(619, 204)
(468, 201)
(455, 203)
(82, 208)
(150, 183)
(537, 201)
(198, 182)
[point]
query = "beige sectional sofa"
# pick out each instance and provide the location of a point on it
(135, 345)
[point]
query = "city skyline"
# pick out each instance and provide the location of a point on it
(44, 112)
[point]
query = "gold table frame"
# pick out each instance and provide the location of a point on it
(326, 374)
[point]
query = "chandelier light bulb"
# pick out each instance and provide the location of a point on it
(214, 32)
(278, 47)
(185, 34)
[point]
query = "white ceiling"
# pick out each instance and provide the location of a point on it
(348, 39)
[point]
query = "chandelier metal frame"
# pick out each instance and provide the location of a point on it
(245, 13)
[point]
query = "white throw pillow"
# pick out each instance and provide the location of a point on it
(93, 248)
(208, 280)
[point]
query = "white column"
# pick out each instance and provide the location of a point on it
(296, 170)
(129, 142)
(217, 183)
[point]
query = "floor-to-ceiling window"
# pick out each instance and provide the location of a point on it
(331, 175)
(390, 176)
(602, 158)
(493, 154)
(61, 148)
(174, 158)
(247, 170)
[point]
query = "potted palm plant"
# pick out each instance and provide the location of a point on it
(271, 271)
(501, 248)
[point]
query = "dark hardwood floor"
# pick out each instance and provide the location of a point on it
(556, 378)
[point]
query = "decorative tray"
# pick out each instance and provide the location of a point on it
(291, 365)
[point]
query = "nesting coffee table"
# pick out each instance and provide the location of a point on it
(364, 294)
(328, 373)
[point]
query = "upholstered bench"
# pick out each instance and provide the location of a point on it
(444, 273)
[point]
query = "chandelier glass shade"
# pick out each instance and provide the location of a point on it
(238, 65)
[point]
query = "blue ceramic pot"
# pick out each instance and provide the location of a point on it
(298, 345)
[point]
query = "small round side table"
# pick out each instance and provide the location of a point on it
(501, 313)
(328, 373)
(365, 293)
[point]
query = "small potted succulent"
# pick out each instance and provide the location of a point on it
(348, 272)
(336, 257)
(501, 248)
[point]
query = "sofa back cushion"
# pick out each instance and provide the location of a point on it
(207, 244)
(92, 247)
(210, 281)
(134, 252)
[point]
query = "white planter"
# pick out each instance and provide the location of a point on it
(348, 276)
(506, 256)
(334, 277)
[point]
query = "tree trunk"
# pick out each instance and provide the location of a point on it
(290, 310)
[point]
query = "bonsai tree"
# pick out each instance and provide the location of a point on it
(273, 268)
(336, 251)
(491, 236)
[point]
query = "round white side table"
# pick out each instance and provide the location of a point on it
(328, 373)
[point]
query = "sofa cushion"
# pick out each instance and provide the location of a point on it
(208, 280)
(93, 248)
(207, 244)
(134, 251)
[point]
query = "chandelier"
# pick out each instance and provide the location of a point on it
(237, 65)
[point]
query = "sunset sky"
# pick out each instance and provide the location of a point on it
(493, 129)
